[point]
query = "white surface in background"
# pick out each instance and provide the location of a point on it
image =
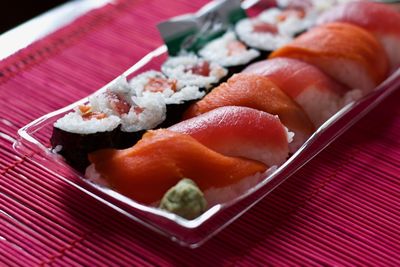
(42, 25)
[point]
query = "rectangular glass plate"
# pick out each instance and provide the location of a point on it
(33, 142)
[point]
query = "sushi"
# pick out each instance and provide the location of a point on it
(276, 26)
(258, 92)
(289, 21)
(146, 171)
(240, 132)
(261, 35)
(318, 94)
(115, 118)
(378, 18)
(229, 52)
(190, 70)
(176, 96)
(83, 131)
(136, 112)
(347, 53)
(243, 127)
(154, 82)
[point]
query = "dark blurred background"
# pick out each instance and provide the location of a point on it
(15, 12)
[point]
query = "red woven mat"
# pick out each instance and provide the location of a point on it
(340, 209)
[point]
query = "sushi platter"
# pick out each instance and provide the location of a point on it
(202, 128)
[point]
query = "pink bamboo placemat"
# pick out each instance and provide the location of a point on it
(340, 209)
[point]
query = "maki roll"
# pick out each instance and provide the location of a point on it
(230, 53)
(83, 131)
(261, 35)
(137, 113)
(277, 26)
(176, 96)
(190, 70)
(114, 118)
(289, 21)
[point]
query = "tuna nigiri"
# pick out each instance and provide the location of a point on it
(318, 94)
(161, 159)
(240, 132)
(379, 19)
(258, 92)
(347, 53)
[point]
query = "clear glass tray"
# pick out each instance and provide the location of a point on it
(34, 139)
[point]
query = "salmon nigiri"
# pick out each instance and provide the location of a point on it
(258, 92)
(378, 18)
(161, 159)
(347, 53)
(240, 132)
(319, 95)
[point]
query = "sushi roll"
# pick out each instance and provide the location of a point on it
(261, 35)
(275, 27)
(319, 95)
(229, 52)
(258, 92)
(146, 171)
(191, 70)
(176, 96)
(378, 18)
(349, 54)
(114, 118)
(83, 131)
(136, 112)
(289, 21)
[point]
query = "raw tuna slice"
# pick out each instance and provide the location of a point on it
(318, 94)
(240, 132)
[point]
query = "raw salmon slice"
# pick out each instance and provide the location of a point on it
(347, 53)
(161, 159)
(379, 19)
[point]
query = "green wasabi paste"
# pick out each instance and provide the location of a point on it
(184, 199)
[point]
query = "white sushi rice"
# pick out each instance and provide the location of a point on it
(185, 94)
(100, 102)
(317, 6)
(95, 177)
(180, 95)
(351, 96)
(74, 123)
(319, 105)
(260, 40)
(176, 68)
(217, 50)
(152, 114)
(121, 86)
(292, 25)
(213, 195)
(246, 185)
(138, 83)
(289, 134)
(146, 111)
